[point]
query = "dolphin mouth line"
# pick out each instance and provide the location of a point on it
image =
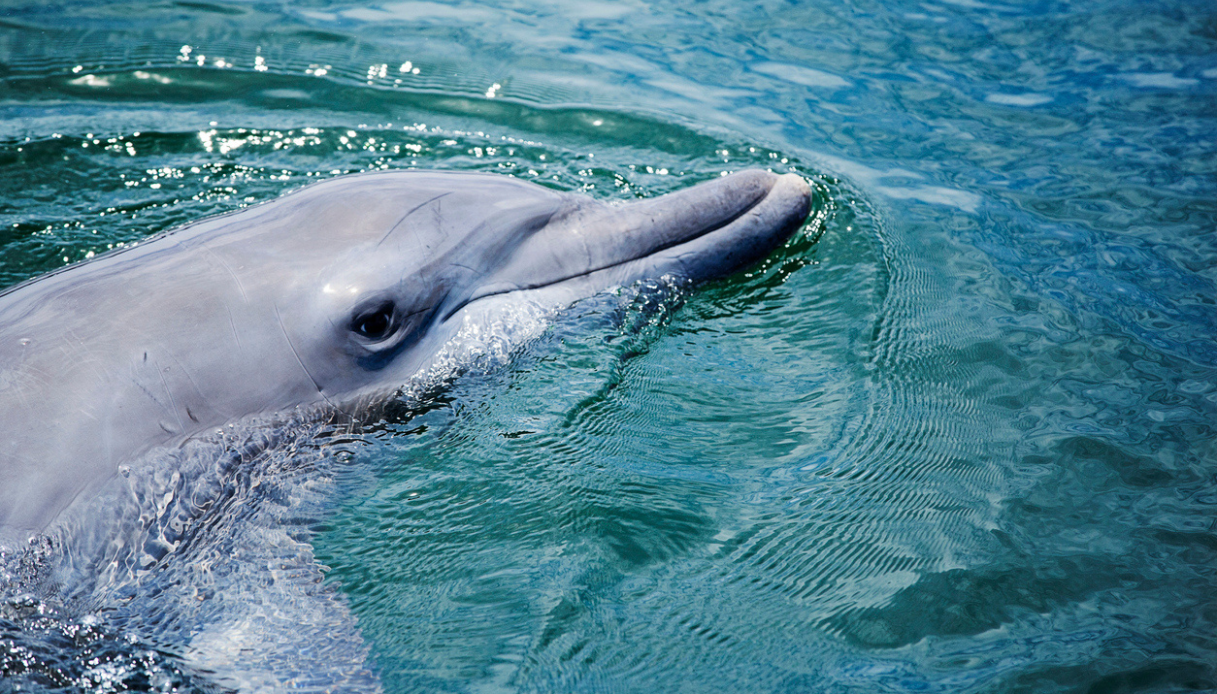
(701, 233)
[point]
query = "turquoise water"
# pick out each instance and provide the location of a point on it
(964, 442)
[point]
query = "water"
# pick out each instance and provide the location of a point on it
(964, 442)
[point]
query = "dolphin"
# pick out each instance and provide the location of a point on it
(329, 297)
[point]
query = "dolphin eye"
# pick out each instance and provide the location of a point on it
(375, 324)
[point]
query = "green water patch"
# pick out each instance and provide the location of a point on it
(306, 98)
(585, 512)
(520, 515)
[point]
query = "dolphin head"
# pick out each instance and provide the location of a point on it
(332, 296)
(424, 254)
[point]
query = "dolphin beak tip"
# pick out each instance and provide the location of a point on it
(797, 188)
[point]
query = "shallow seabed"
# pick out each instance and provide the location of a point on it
(962, 443)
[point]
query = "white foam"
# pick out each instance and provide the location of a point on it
(1029, 99)
(1159, 80)
(491, 332)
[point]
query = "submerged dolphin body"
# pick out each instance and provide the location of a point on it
(330, 296)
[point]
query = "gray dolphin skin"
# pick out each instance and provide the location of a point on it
(328, 297)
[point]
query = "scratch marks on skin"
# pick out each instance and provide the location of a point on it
(578, 221)
(78, 350)
(153, 398)
(193, 384)
(406, 216)
(145, 391)
(288, 338)
(172, 402)
(236, 334)
(232, 323)
(23, 377)
(232, 273)
(172, 405)
(473, 273)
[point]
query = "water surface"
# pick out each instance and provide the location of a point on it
(962, 442)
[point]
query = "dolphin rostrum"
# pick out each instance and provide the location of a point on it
(340, 292)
